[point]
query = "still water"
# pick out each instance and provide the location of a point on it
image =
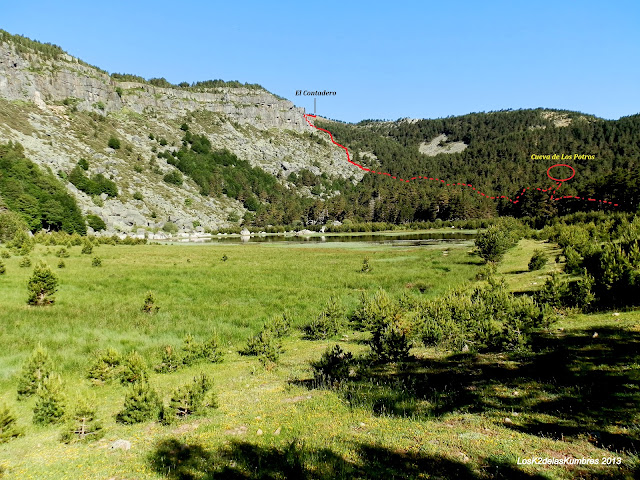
(393, 239)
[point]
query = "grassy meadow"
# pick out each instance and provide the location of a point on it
(438, 416)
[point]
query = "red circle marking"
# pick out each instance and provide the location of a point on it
(561, 179)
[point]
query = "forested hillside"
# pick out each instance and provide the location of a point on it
(497, 160)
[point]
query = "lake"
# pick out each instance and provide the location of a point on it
(410, 238)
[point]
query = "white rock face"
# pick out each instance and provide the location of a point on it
(44, 103)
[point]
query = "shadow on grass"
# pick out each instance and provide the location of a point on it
(241, 460)
(571, 387)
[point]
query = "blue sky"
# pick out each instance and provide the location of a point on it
(384, 59)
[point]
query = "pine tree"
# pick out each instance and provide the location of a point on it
(189, 399)
(38, 367)
(8, 427)
(171, 360)
(106, 366)
(82, 424)
(134, 369)
(42, 285)
(141, 403)
(50, 404)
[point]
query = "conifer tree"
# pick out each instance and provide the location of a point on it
(42, 285)
(134, 369)
(50, 404)
(8, 427)
(106, 366)
(141, 403)
(82, 424)
(189, 399)
(38, 367)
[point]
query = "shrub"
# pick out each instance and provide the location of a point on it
(21, 243)
(82, 424)
(493, 243)
(25, 262)
(96, 223)
(50, 402)
(486, 319)
(170, 361)
(366, 268)
(61, 264)
(487, 271)
(279, 325)
(174, 177)
(149, 305)
(224, 257)
(3, 269)
(42, 285)
(265, 345)
(5, 254)
(538, 260)
(141, 403)
(581, 292)
(137, 196)
(375, 310)
(96, 262)
(189, 399)
(37, 367)
(334, 366)
(87, 248)
(191, 350)
(62, 253)
(114, 143)
(327, 324)
(134, 369)
(389, 343)
(8, 425)
(106, 366)
(210, 351)
(83, 164)
(170, 227)
(10, 224)
(554, 292)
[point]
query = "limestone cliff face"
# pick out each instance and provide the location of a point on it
(62, 109)
(30, 78)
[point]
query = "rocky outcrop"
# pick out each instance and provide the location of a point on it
(42, 100)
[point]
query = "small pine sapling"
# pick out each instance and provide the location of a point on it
(189, 399)
(42, 285)
(150, 306)
(25, 262)
(50, 402)
(82, 424)
(106, 366)
(38, 367)
(87, 248)
(8, 425)
(366, 267)
(134, 369)
(141, 403)
(170, 360)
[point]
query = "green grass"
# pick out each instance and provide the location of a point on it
(437, 416)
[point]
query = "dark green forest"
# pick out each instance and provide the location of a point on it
(497, 161)
(36, 195)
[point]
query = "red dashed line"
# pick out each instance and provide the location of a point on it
(514, 200)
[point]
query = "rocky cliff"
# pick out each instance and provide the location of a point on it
(61, 109)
